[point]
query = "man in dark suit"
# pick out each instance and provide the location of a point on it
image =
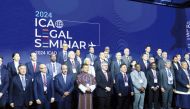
(43, 88)
(72, 64)
(73, 68)
(144, 63)
(158, 55)
(91, 55)
(153, 85)
(63, 55)
(175, 65)
(124, 88)
(78, 57)
(33, 65)
(20, 95)
(4, 83)
(97, 64)
(147, 51)
(115, 66)
(64, 85)
(53, 66)
(13, 66)
(108, 55)
(167, 82)
(104, 87)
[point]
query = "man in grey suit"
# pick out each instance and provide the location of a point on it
(161, 62)
(53, 67)
(126, 57)
(167, 78)
(140, 83)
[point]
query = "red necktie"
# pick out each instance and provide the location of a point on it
(34, 66)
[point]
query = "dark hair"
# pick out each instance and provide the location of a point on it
(1, 57)
(122, 65)
(21, 65)
(13, 55)
(32, 52)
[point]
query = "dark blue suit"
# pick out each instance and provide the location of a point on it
(30, 68)
(12, 70)
(181, 81)
(123, 100)
(90, 57)
(61, 87)
(39, 93)
(76, 66)
(60, 58)
(17, 95)
(143, 67)
(120, 85)
(4, 85)
(115, 68)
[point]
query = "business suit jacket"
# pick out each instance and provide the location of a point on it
(143, 67)
(161, 64)
(91, 59)
(136, 80)
(61, 87)
(60, 58)
(181, 81)
(12, 70)
(50, 70)
(150, 79)
(115, 68)
(69, 65)
(30, 68)
(176, 68)
(126, 60)
(4, 84)
(102, 83)
(39, 88)
(17, 95)
(164, 79)
(97, 65)
(120, 84)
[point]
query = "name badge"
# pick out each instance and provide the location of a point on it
(140, 81)
(126, 84)
(45, 89)
(155, 80)
(74, 70)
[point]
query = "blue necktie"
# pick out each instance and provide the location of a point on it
(23, 82)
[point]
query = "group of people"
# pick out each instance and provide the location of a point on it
(107, 81)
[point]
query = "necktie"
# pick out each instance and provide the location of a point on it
(169, 73)
(34, 66)
(125, 78)
(73, 64)
(64, 78)
(53, 67)
(154, 73)
(44, 80)
(106, 75)
(65, 56)
(23, 82)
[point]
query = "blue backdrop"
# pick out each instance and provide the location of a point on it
(114, 23)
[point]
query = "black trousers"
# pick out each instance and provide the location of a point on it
(103, 102)
(123, 102)
(153, 98)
